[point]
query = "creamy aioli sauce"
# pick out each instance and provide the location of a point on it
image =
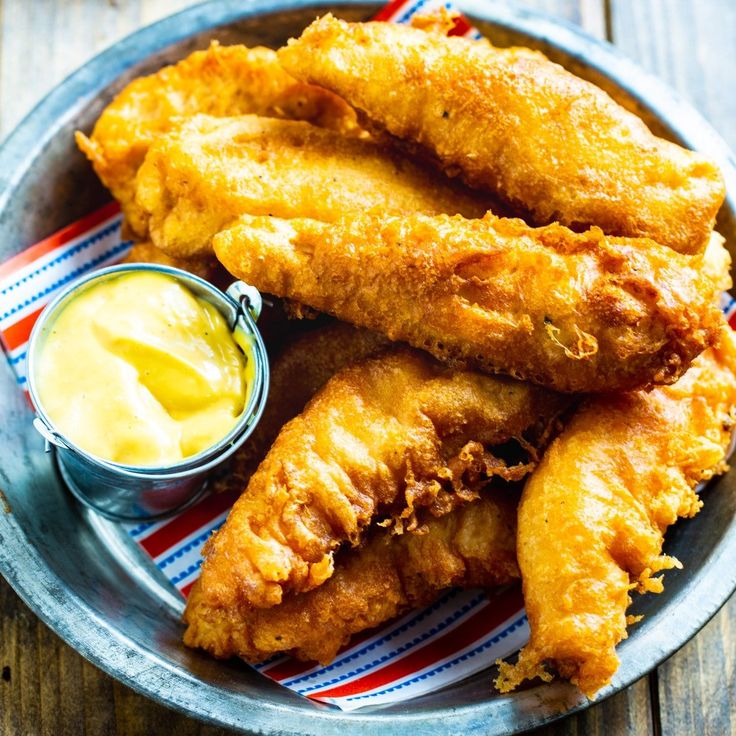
(139, 371)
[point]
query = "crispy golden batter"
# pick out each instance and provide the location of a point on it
(593, 514)
(717, 265)
(577, 312)
(206, 267)
(511, 121)
(474, 546)
(296, 375)
(209, 171)
(222, 80)
(386, 436)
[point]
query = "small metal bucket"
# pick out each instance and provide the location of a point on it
(128, 492)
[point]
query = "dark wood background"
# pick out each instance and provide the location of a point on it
(46, 688)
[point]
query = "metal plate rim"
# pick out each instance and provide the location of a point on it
(138, 667)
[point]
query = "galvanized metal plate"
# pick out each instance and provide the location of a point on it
(95, 588)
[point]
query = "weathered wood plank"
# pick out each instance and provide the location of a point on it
(47, 689)
(593, 17)
(626, 713)
(697, 687)
(589, 14)
(691, 44)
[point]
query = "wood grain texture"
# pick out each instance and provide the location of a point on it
(43, 41)
(697, 687)
(627, 713)
(46, 688)
(691, 44)
(589, 14)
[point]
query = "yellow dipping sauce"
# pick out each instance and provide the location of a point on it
(140, 371)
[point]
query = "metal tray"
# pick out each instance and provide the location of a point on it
(81, 575)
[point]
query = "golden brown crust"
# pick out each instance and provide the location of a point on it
(208, 171)
(511, 121)
(220, 81)
(206, 267)
(297, 374)
(593, 514)
(716, 265)
(473, 546)
(386, 436)
(577, 312)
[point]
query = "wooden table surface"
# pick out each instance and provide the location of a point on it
(47, 688)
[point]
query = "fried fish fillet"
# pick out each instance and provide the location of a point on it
(297, 374)
(593, 515)
(576, 312)
(221, 80)
(473, 546)
(513, 122)
(384, 437)
(207, 172)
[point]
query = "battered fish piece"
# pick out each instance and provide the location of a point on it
(222, 80)
(576, 312)
(384, 437)
(201, 177)
(474, 546)
(296, 375)
(594, 513)
(511, 121)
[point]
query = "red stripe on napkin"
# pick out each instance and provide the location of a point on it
(16, 335)
(460, 27)
(479, 624)
(187, 589)
(80, 227)
(187, 522)
(288, 669)
(389, 10)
